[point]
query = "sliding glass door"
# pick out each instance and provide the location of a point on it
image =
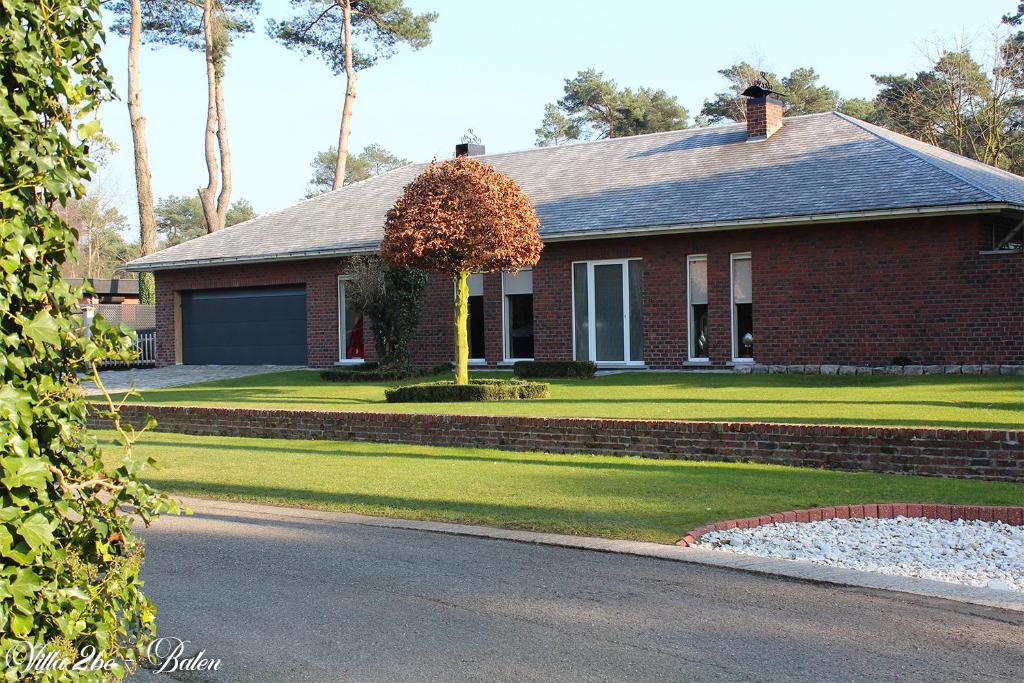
(607, 311)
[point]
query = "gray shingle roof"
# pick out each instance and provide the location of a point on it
(817, 165)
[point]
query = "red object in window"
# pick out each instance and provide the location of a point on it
(355, 348)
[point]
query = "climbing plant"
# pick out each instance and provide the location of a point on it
(69, 576)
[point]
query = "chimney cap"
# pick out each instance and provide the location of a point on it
(762, 87)
(468, 149)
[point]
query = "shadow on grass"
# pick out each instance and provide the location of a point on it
(519, 516)
(580, 461)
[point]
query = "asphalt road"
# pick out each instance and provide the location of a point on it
(305, 600)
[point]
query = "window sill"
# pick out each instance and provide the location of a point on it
(350, 361)
(698, 361)
(513, 361)
(995, 252)
(477, 361)
(741, 361)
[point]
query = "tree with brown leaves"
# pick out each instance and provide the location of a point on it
(458, 217)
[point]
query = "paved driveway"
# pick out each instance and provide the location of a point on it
(175, 376)
(283, 598)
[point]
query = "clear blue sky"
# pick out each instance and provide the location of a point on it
(492, 67)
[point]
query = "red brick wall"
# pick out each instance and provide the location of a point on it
(853, 293)
(764, 116)
(975, 453)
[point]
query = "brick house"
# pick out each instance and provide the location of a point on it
(806, 240)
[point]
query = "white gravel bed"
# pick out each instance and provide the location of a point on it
(974, 553)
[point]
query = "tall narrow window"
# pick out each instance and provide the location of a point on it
(636, 309)
(581, 311)
(742, 308)
(350, 328)
(518, 314)
(475, 324)
(608, 311)
(697, 301)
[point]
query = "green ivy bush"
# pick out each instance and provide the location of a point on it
(358, 373)
(69, 576)
(391, 300)
(476, 390)
(550, 369)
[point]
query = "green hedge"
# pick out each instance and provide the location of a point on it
(579, 369)
(373, 373)
(476, 390)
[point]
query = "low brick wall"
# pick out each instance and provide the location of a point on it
(1008, 515)
(977, 454)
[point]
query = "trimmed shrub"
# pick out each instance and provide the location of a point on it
(580, 369)
(374, 373)
(476, 390)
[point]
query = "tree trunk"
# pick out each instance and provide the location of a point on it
(224, 198)
(208, 194)
(350, 96)
(461, 328)
(143, 177)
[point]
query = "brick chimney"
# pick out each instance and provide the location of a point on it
(468, 149)
(764, 117)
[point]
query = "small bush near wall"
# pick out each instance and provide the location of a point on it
(579, 369)
(372, 373)
(476, 390)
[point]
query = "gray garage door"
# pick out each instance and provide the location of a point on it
(250, 326)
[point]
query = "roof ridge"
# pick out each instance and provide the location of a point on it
(581, 143)
(864, 125)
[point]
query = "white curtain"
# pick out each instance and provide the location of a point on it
(741, 284)
(698, 282)
(520, 283)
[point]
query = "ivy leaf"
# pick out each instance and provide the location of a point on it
(89, 129)
(24, 472)
(36, 531)
(43, 328)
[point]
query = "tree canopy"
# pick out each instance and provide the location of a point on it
(373, 160)
(102, 248)
(803, 94)
(180, 23)
(378, 26)
(596, 107)
(961, 105)
(180, 218)
(462, 215)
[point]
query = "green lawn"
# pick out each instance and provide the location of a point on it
(933, 400)
(652, 500)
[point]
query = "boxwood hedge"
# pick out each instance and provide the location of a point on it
(579, 369)
(476, 390)
(373, 373)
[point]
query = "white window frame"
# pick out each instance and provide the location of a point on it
(695, 258)
(732, 303)
(592, 342)
(483, 284)
(341, 325)
(506, 319)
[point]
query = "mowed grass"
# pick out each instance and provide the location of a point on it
(932, 400)
(629, 498)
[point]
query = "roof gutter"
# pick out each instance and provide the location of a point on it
(714, 226)
(709, 226)
(140, 266)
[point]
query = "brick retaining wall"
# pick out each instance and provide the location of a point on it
(976, 454)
